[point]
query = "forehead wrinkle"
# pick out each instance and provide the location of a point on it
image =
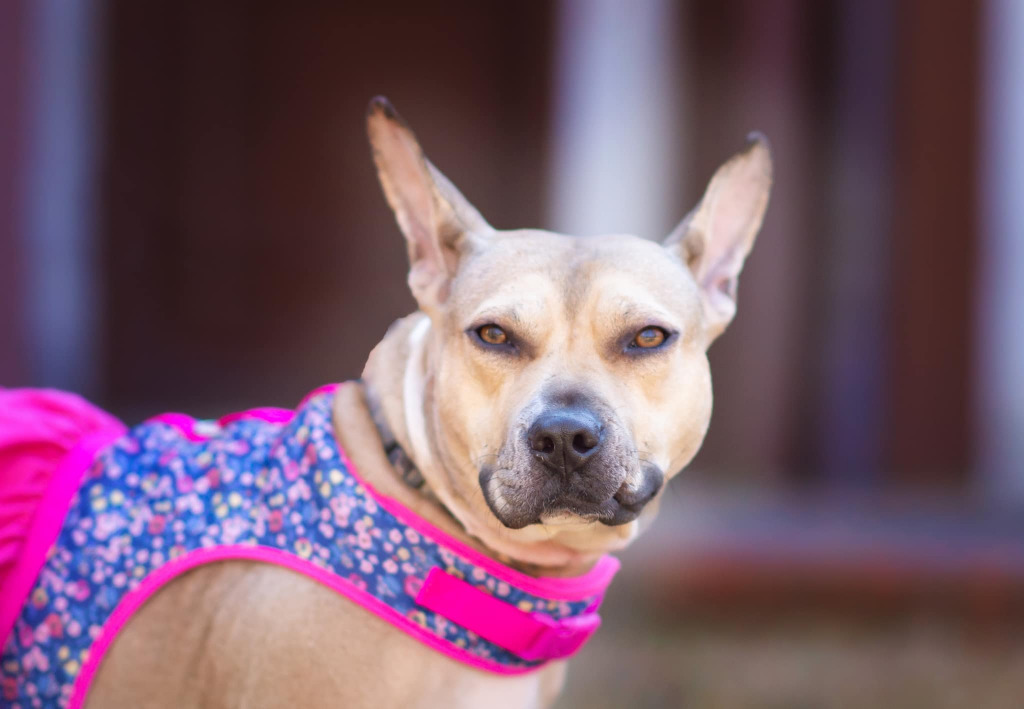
(619, 301)
(523, 306)
(578, 278)
(641, 313)
(505, 312)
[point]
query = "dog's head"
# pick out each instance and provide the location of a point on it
(568, 376)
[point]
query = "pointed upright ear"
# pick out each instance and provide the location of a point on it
(715, 238)
(438, 223)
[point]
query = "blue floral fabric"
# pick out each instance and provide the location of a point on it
(154, 495)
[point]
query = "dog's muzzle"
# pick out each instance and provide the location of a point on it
(569, 467)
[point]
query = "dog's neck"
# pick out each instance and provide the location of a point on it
(400, 406)
(413, 384)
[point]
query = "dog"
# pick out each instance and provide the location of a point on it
(528, 416)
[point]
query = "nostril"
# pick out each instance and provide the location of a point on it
(544, 444)
(564, 440)
(584, 442)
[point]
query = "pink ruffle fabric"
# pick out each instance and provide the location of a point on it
(47, 439)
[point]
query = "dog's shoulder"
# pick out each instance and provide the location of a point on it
(258, 635)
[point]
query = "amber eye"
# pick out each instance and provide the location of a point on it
(492, 335)
(649, 338)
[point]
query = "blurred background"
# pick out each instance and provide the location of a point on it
(189, 220)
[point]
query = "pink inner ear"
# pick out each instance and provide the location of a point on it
(725, 286)
(737, 212)
(410, 182)
(730, 215)
(719, 267)
(406, 181)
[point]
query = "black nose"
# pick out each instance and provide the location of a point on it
(565, 439)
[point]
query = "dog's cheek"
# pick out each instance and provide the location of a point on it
(670, 425)
(465, 411)
(694, 412)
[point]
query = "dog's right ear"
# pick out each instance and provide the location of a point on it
(715, 238)
(438, 222)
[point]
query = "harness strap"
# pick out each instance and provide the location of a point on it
(531, 636)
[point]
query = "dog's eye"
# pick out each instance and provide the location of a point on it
(492, 335)
(649, 338)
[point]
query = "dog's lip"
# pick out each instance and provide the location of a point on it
(512, 522)
(580, 508)
(611, 513)
(632, 502)
(624, 506)
(517, 519)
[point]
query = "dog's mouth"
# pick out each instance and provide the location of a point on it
(518, 506)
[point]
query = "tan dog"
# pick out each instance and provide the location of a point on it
(546, 390)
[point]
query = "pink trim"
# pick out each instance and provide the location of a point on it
(325, 389)
(134, 599)
(182, 422)
(272, 414)
(532, 636)
(48, 520)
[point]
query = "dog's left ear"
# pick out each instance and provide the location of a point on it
(438, 222)
(715, 238)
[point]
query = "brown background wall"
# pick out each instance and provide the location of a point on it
(250, 253)
(12, 172)
(247, 255)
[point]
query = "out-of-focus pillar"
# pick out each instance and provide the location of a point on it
(617, 131)
(999, 365)
(57, 230)
(853, 248)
